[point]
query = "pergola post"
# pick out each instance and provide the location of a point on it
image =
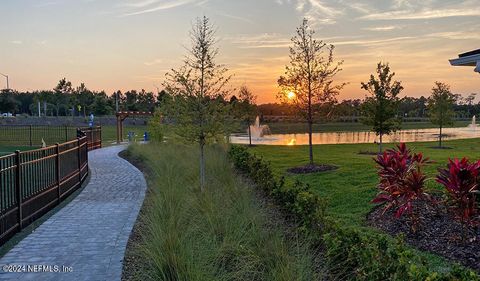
(119, 129)
(122, 115)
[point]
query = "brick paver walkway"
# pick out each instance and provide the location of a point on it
(90, 234)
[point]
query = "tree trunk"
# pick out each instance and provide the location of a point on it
(380, 143)
(310, 145)
(249, 134)
(440, 137)
(202, 165)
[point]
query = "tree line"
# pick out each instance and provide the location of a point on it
(65, 100)
(68, 100)
(408, 107)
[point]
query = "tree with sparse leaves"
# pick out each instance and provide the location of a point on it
(198, 88)
(380, 108)
(440, 107)
(308, 81)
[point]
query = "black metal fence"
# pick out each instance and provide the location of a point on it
(33, 182)
(28, 135)
(94, 136)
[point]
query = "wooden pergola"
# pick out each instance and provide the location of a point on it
(122, 115)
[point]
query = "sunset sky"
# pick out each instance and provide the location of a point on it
(127, 44)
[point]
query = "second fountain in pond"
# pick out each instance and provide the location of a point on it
(257, 130)
(473, 125)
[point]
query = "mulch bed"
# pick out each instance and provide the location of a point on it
(368, 153)
(315, 168)
(438, 232)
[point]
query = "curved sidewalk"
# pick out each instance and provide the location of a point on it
(89, 235)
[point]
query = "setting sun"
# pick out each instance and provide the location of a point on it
(291, 95)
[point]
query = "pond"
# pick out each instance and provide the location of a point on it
(415, 135)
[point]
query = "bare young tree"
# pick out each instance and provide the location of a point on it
(308, 80)
(198, 89)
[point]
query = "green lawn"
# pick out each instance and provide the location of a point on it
(4, 150)
(109, 133)
(109, 137)
(290, 128)
(350, 188)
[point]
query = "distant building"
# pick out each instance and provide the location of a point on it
(471, 58)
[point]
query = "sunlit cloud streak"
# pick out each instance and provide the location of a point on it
(159, 6)
(318, 12)
(426, 14)
(382, 28)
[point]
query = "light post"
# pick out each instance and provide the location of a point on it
(6, 76)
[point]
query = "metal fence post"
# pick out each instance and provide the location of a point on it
(30, 135)
(57, 171)
(100, 135)
(19, 188)
(86, 153)
(66, 133)
(79, 162)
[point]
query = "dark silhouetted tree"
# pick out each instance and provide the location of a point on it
(381, 107)
(308, 80)
(440, 107)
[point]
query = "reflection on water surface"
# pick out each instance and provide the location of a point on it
(360, 137)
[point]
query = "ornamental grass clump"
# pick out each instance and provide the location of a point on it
(402, 181)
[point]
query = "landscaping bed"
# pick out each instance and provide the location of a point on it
(226, 232)
(354, 250)
(308, 169)
(437, 232)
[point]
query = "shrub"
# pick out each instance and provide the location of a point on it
(355, 255)
(297, 199)
(460, 179)
(156, 128)
(401, 180)
(352, 254)
(305, 205)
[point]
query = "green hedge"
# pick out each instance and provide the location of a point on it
(350, 254)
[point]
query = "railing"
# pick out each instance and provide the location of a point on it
(94, 136)
(33, 182)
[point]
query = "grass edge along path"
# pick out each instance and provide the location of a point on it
(221, 234)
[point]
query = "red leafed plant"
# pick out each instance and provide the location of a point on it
(460, 178)
(401, 180)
